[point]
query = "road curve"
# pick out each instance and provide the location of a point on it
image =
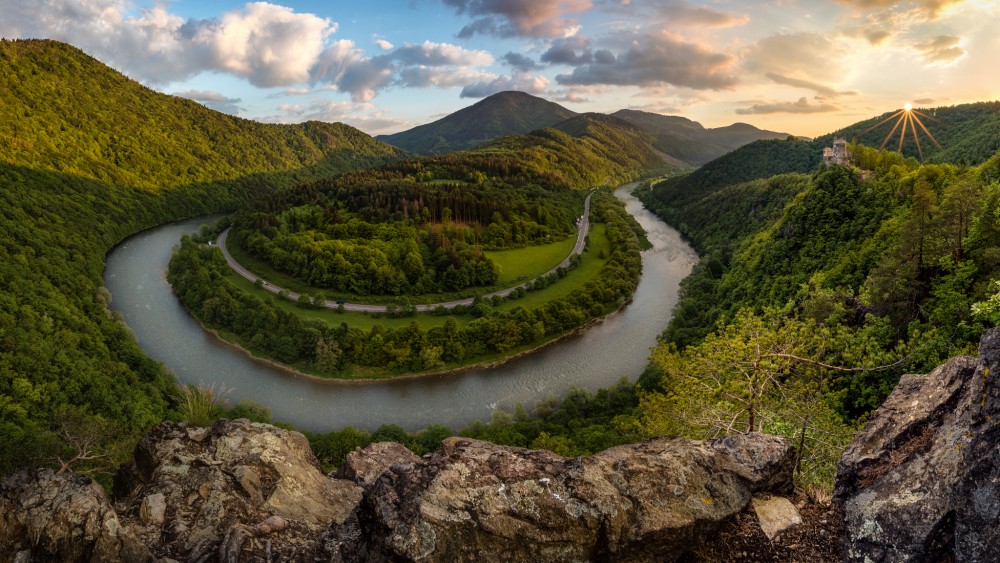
(581, 237)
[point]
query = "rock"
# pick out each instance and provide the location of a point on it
(365, 466)
(920, 481)
(650, 501)
(236, 475)
(775, 514)
(153, 510)
(47, 516)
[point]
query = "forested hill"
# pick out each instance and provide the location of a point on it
(500, 115)
(689, 140)
(968, 133)
(88, 158)
(586, 151)
(65, 111)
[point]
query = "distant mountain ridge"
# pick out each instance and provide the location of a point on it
(690, 141)
(514, 113)
(500, 115)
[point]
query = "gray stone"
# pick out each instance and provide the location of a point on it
(153, 510)
(775, 514)
(47, 516)
(650, 501)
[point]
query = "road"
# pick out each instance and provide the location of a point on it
(581, 239)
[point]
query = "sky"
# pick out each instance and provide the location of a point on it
(805, 67)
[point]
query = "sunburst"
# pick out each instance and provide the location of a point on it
(907, 117)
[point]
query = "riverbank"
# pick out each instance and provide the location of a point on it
(230, 340)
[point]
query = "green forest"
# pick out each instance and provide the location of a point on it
(831, 284)
(407, 229)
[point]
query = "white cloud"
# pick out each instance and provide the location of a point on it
(520, 81)
(384, 45)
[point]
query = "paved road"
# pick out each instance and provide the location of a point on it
(581, 237)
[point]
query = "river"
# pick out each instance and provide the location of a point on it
(135, 274)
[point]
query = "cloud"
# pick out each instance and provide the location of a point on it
(801, 106)
(364, 116)
(569, 96)
(941, 49)
(519, 61)
(564, 51)
(693, 15)
(269, 45)
(296, 91)
(820, 89)
(520, 81)
(807, 56)
(526, 18)
(213, 100)
(657, 58)
(266, 44)
(440, 77)
(440, 54)
(928, 9)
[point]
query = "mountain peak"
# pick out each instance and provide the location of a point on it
(499, 115)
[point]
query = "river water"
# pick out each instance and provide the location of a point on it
(135, 274)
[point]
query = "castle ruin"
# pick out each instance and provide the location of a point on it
(838, 154)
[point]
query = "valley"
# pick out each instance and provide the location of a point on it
(514, 291)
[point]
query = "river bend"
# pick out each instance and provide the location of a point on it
(135, 274)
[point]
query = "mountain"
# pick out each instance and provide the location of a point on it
(506, 113)
(90, 157)
(689, 140)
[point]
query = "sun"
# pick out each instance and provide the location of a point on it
(908, 118)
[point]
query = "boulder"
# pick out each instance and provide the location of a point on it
(365, 466)
(920, 481)
(222, 485)
(474, 501)
(775, 514)
(47, 516)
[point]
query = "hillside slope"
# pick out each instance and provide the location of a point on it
(506, 113)
(89, 158)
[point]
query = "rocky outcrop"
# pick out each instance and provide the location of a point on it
(239, 491)
(475, 501)
(921, 481)
(234, 490)
(47, 516)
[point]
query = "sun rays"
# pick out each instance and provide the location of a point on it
(908, 118)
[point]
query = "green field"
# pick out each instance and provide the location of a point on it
(576, 278)
(522, 264)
